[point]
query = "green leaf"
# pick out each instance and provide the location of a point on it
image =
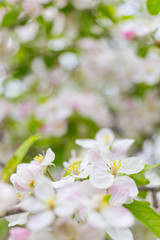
(149, 167)
(108, 11)
(142, 194)
(145, 214)
(3, 229)
(17, 157)
(9, 19)
(153, 6)
(139, 178)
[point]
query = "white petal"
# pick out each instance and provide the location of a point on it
(41, 220)
(43, 188)
(64, 181)
(121, 146)
(100, 178)
(132, 165)
(96, 220)
(118, 217)
(49, 158)
(17, 219)
(86, 172)
(86, 143)
(32, 205)
(120, 234)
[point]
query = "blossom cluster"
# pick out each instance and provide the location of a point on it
(86, 202)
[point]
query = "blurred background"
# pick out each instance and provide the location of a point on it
(71, 67)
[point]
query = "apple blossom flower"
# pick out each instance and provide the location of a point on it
(47, 204)
(105, 211)
(47, 159)
(105, 169)
(78, 167)
(24, 179)
(104, 140)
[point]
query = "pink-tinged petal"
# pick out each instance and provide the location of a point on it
(64, 181)
(96, 160)
(40, 221)
(18, 233)
(105, 136)
(132, 165)
(117, 217)
(17, 219)
(100, 178)
(120, 234)
(49, 158)
(86, 143)
(121, 146)
(90, 233)
(32, 205)
(123, 190)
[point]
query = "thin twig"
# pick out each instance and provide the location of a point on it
(154, 191)
(12, 211)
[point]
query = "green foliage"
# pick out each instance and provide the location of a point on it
(148, 167)
(145, 214)
(108, 11)
(9, 19)
(3, 229)
(153, 6)
(142, 50)
(142, 194)
(17, 157)
(140, 89)
(139, 178)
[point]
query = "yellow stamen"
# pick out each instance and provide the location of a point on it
(115, 166)
(50, 202)
(31, 183)
(39, 158)
(74, 168)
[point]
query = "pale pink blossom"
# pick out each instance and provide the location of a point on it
(18, 233)
(24, 179)
(105, 169)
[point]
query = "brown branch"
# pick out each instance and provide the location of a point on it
(151, 189)
(12, 211)
(154, 191)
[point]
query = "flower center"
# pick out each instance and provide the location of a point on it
(50, 202)
(74, 168)
(106, 139)
(115, 166)
(39, 158)
(101, 201)
(31, 183)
